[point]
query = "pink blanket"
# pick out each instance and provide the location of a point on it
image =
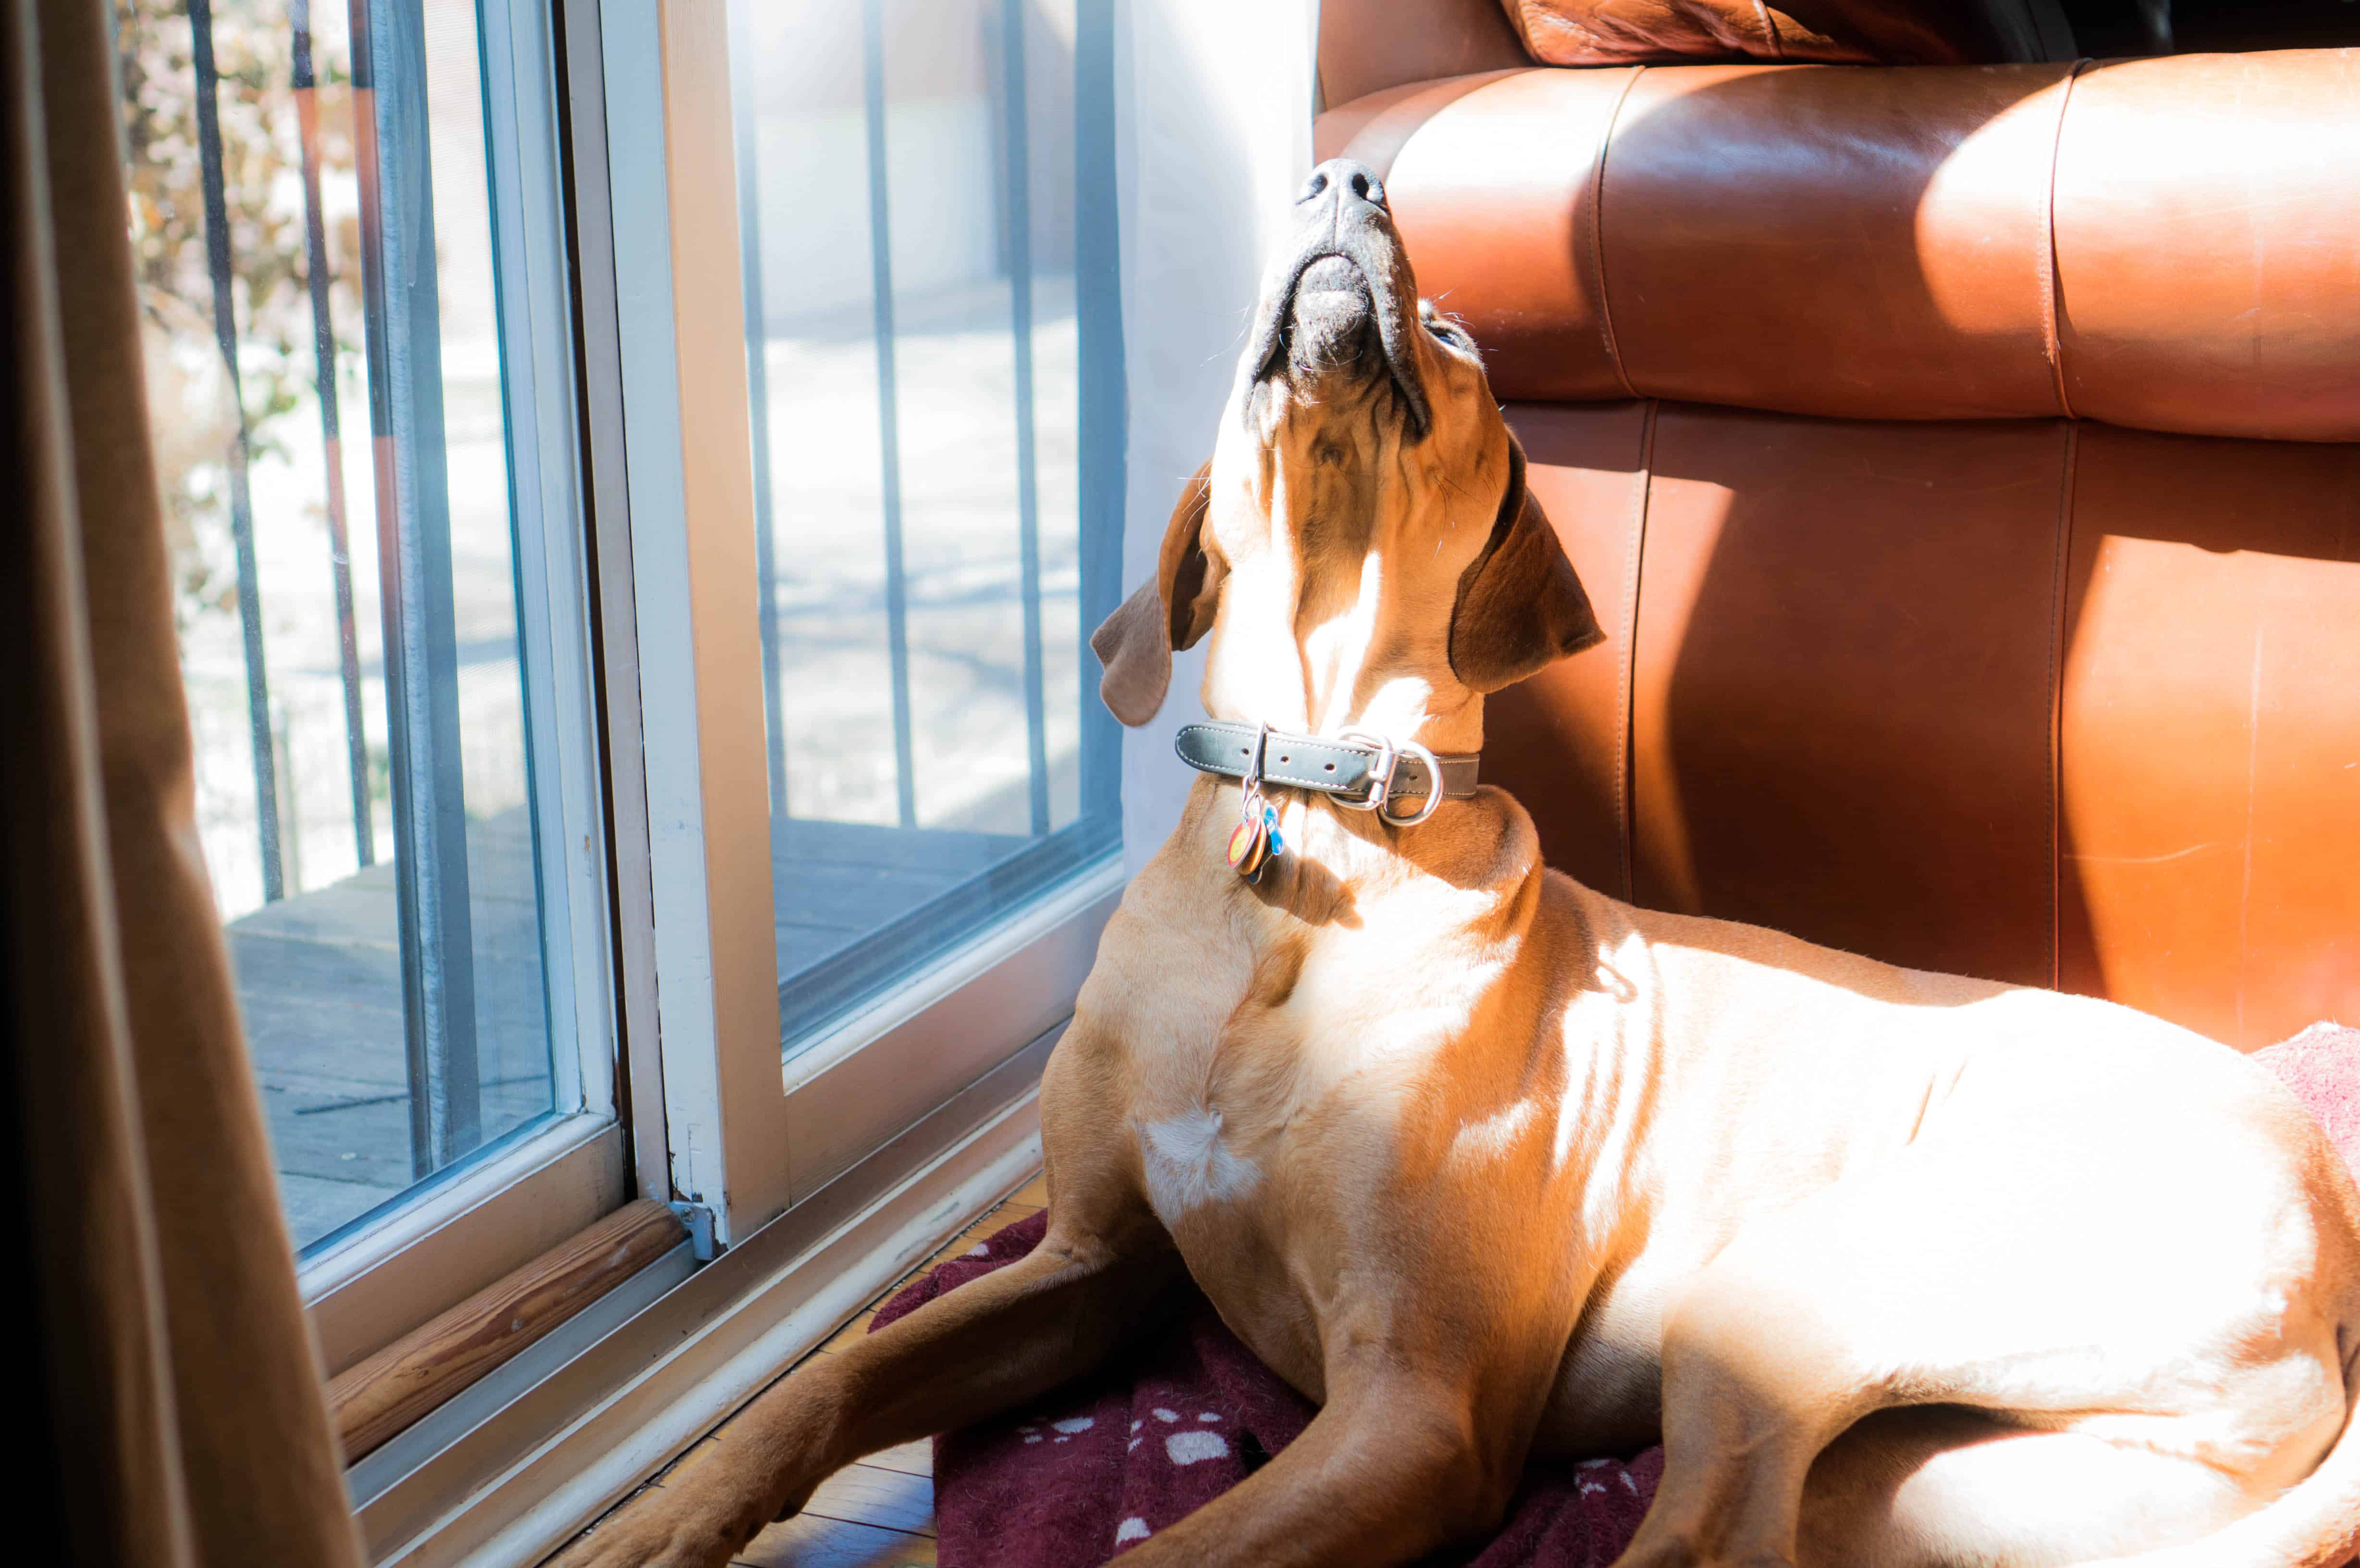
(1104, 1462)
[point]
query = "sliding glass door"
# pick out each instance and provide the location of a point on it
(933, 386)
(349, 232)
(641, 476)
(867, 373)
(635, 570)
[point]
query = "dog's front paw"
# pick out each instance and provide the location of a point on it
(679, 1525)
(1666, 1547)
(630, 1542)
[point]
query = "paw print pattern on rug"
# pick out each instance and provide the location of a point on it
(1196, 1445)
(1177, 1455)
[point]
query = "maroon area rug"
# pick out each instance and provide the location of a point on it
(1104, 1462)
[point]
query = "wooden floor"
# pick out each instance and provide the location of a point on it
(878, 1513)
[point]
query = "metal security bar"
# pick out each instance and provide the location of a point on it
(1104, 410)
(889, 420)
(1028, 484)
(241, 501)
(323, 349)
(405, 377)
(758, 392)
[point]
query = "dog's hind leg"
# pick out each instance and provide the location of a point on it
(1934, 1486)
(2055, 1302)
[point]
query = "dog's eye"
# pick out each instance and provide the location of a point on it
(1452, 334)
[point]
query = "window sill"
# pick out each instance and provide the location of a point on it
(887, 1066)
(456, 1239)
(904, 1123)
(538, 1462)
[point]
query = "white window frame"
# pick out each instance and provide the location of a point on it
(689, 455)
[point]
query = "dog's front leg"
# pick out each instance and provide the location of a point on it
(1393, 1466)
(989, 1345)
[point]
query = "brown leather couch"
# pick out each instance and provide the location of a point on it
(1962, 459)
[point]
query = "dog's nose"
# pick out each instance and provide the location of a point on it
(1349, 182)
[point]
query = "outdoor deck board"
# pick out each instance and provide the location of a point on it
(319, 981)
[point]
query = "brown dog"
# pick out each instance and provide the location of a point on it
(1903, 1269)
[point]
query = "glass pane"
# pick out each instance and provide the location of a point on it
(326, 363)
(913, 188)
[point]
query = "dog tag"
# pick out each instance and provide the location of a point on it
(1254, 842)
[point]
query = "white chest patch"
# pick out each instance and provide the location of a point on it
(1188, 1166)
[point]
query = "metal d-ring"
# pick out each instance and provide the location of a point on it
(1380, 776)
(1433, 787)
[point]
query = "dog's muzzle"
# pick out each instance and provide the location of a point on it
(1341, 297)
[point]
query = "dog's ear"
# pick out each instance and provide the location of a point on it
(1174, 611)
(1520, 607)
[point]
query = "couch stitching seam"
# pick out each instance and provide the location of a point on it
(1597, 233)
(1625, 791)
(2059, 570)
(2051, 307)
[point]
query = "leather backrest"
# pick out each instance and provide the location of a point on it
(2161, 244)
(1899, 656)
(2041, 701)
(1858, 32)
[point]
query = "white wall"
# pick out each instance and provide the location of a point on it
(1213, 112)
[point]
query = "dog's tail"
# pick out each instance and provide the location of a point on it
(2314, 1524)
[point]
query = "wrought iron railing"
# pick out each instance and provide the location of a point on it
(1031, 154)
(1009, 78)
(401, 315)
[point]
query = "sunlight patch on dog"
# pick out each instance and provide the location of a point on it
(1188, 1167)
(1490, 1138)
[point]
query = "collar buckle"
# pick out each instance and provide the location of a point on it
(1380, 778)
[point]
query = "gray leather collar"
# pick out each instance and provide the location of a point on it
(1337, 767)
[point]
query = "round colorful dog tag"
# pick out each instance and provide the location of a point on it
(1254, 842)
(1249, 845)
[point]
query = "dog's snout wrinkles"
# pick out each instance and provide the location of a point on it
(1350, 182)
(1344, 255)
